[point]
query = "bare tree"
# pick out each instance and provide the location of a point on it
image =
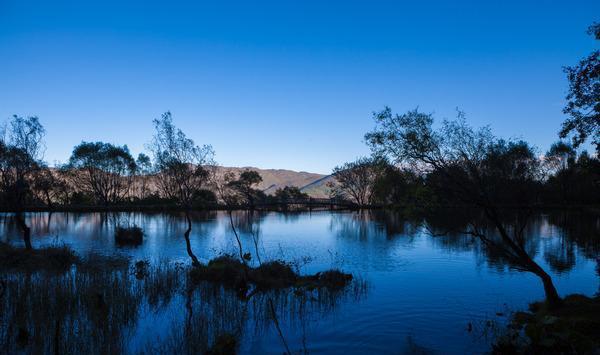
(477, 169)
(21, 150)
(182, 168)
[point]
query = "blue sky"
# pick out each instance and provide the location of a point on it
(285, 84)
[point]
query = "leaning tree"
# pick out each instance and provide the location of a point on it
(476, 169)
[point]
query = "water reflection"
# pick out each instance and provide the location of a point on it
(104, 307)
(414, 302)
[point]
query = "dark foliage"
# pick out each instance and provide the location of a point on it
(583, 99)
(232, 273)
(572, 329)
(132, 235)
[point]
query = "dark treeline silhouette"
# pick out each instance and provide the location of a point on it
(183, 176)
(563, 178)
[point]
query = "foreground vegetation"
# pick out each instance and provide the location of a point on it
(90, 304)
(574, 328)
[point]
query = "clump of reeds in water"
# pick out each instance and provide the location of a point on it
(231, 272)
(130, 235)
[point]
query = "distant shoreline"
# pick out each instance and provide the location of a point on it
(269, 207)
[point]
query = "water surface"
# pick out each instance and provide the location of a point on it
(423, 290)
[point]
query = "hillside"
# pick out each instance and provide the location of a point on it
(273, 179)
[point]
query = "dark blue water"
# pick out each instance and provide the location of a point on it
(423, 290)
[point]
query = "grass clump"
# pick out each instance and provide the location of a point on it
(330, 279)
(232, 273)
(53, 258)
(224, 270)
(133, 235)
(574, 328)
(274, 274)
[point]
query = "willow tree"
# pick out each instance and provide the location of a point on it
(21, 150)
(182, 168)
(498, 177)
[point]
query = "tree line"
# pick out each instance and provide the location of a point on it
(176, 172)
(409, 157)
(496, 183)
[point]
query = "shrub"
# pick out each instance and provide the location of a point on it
(273, 274)
(129, 235)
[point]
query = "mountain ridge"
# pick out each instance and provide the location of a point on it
(313, 184)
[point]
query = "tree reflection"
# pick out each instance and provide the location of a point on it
(99, 307)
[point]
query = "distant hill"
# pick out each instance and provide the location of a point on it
(311, 183)
(273, 179)
(319, 188)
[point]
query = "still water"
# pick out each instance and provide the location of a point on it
(421, 293)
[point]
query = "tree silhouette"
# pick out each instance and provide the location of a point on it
(21, 149)
(103, 170)
(476, 169)
(182, 168)
(356, 180)
(583, 99)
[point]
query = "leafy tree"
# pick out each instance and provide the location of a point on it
(583, 99)
(401, 187)
(290, 194)
(21, 149)
(49, 186)
(143, 171)
(573, 180)
(560, 158)
(103, 170)
(245, 187)
(477, 169)
(356, 180)
(182, 168)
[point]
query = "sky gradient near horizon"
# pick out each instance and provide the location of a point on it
(285, 84)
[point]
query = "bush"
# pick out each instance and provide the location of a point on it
(129, 235)
(225, 270)
(273, 274)
(232, 273)
(573, 328)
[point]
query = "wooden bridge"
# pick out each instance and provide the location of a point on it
(309, 202)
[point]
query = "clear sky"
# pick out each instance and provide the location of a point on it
(285, 84)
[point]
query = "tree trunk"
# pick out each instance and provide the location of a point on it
(195, 261)
(25, 230)
(237, 238)
(552, 298)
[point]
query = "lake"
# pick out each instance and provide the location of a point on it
(418, 292)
